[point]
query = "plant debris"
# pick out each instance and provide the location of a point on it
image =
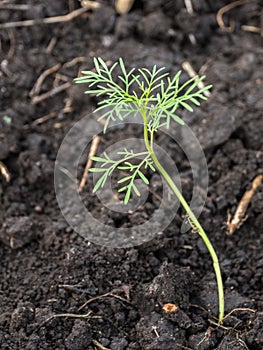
(240, 214)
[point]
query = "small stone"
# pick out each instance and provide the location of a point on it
(38, 209)
(80, 336)
(21, 316)
(17, 231)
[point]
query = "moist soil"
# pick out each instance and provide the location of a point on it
(47, 270)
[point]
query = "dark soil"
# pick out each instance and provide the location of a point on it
(46, 268)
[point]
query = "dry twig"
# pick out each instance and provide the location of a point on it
(206, 336)
(192, 73)
(86, 316)
(226, 8)
(240, 213)
(92, 152)
(60, 77)
(189, 6)
(74, 61)
(239, 309)
(48, 20)
(51, 45)
(45, 118)
(251, 29)
(50, 93)
(37, 86)
(99, 345)
(124, 289)
(4, 171)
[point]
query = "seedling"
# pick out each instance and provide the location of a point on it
(159, 98)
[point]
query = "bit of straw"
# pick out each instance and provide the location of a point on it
(51, 93)
(226, 8)
(4, 171)
(251, 29)
(192, 73)
(37, 86)
(240, 213)
(99, 345)
(92, 5)
(45, 118)
(189, 6)
(48, 20)
(92, 152)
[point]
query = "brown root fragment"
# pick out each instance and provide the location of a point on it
(240, 213)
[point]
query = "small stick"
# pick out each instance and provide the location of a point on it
(251, 29)
(86, 316)
(74, 61)
(239, 309)
(220, 326)
(59, 77)
(92, 152)
(154, 328)
(4, 171)
(92, 5)
(45, 118)
(108, 294)
(99, 345)
(37, 86)
(189, 6)
(50, 93)
(192, 73)
(226, 8)
(206, 336)
(240, 341)
(240, 213)
(47, 20)
(51, 45)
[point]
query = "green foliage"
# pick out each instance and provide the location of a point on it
(159, 95)
(108, 165)
(159, 98)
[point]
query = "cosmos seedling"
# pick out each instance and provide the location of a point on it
(159, 98)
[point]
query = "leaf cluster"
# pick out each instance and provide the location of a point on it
(133, 171)
(159, 95)
(137, 92)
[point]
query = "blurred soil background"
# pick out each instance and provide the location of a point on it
(46, 268)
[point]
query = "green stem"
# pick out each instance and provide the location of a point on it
(192, 218)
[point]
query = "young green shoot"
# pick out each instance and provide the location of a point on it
(159, 98)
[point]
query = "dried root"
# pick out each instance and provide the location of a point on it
(240, 213)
